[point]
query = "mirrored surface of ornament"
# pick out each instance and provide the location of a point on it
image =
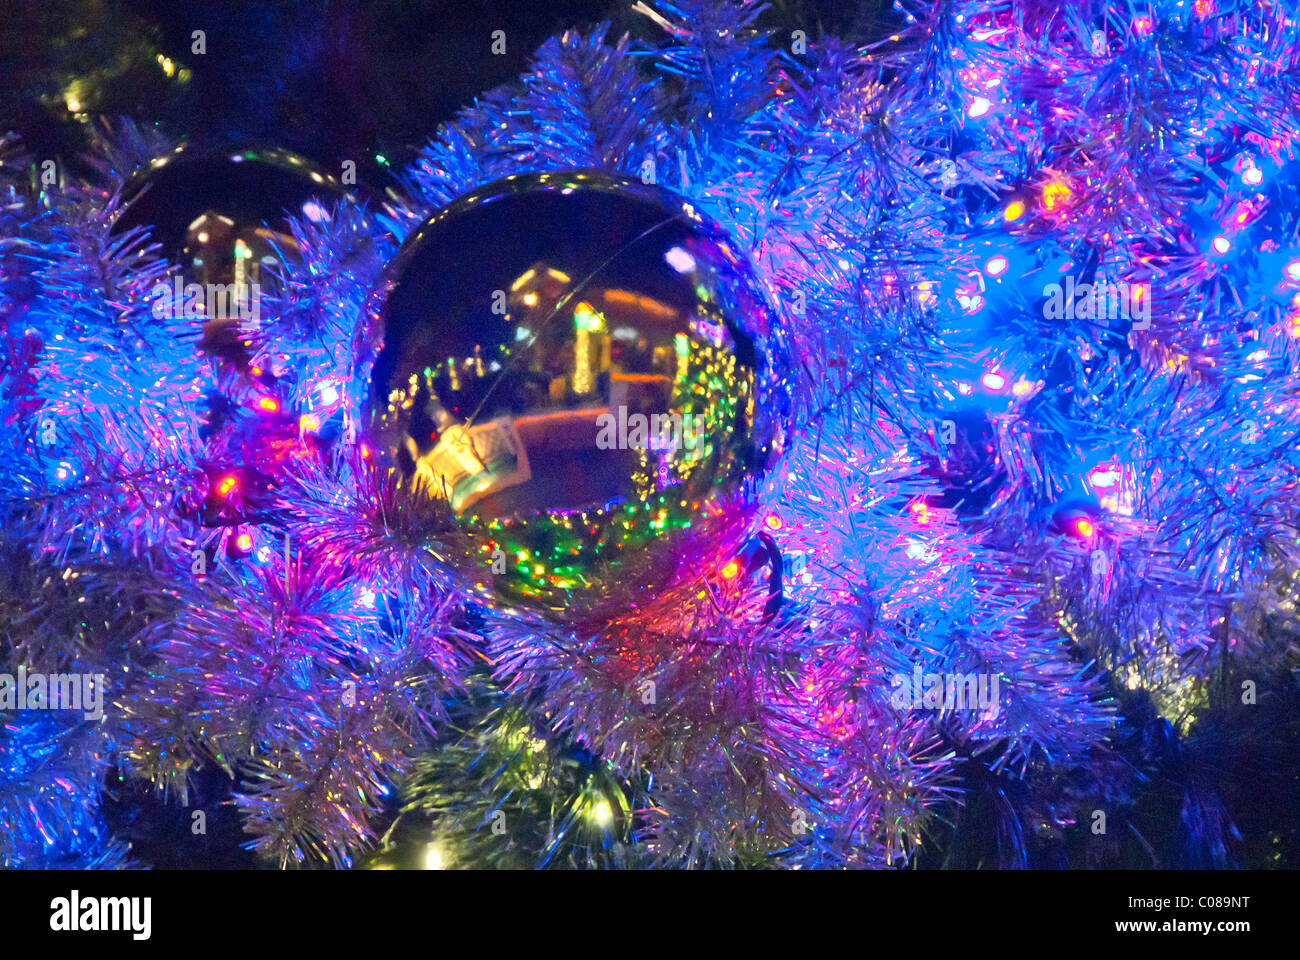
(223, 219)
(589, 375)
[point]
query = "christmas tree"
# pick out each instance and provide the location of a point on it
(1021, 592)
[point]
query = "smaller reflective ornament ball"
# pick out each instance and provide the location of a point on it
(588, 374)
(223, 219)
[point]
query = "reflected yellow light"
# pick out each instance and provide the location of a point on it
(645, 305)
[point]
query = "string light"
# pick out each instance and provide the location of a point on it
(601, 814)
(1055, 194)
(432, 857)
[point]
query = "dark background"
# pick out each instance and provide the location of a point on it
(330, 79)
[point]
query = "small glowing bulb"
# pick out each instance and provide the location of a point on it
(1104, 476)
(731, 571)
(1221, 244)
(602, 814)
(978, 107)
(269, 404)
(1055, 194)
(1293, 269)
(432, 857)
(244, 542)
(996, 266)
(227, 484)
(1252, 176)
(773, 522)
(916, 550)
(1014, 211)
(994, 381)
(329, 395)
(1084, 528)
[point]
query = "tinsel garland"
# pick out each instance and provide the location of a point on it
(1100, 514)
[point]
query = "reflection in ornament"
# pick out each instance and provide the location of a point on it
(223, 219)
(590, 377)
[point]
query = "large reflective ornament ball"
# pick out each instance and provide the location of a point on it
(223, 218)
(588, 374)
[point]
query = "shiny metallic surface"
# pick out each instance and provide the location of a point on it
(590, 376)
(223, 219)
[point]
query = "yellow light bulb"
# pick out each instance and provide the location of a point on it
(1055, 194)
